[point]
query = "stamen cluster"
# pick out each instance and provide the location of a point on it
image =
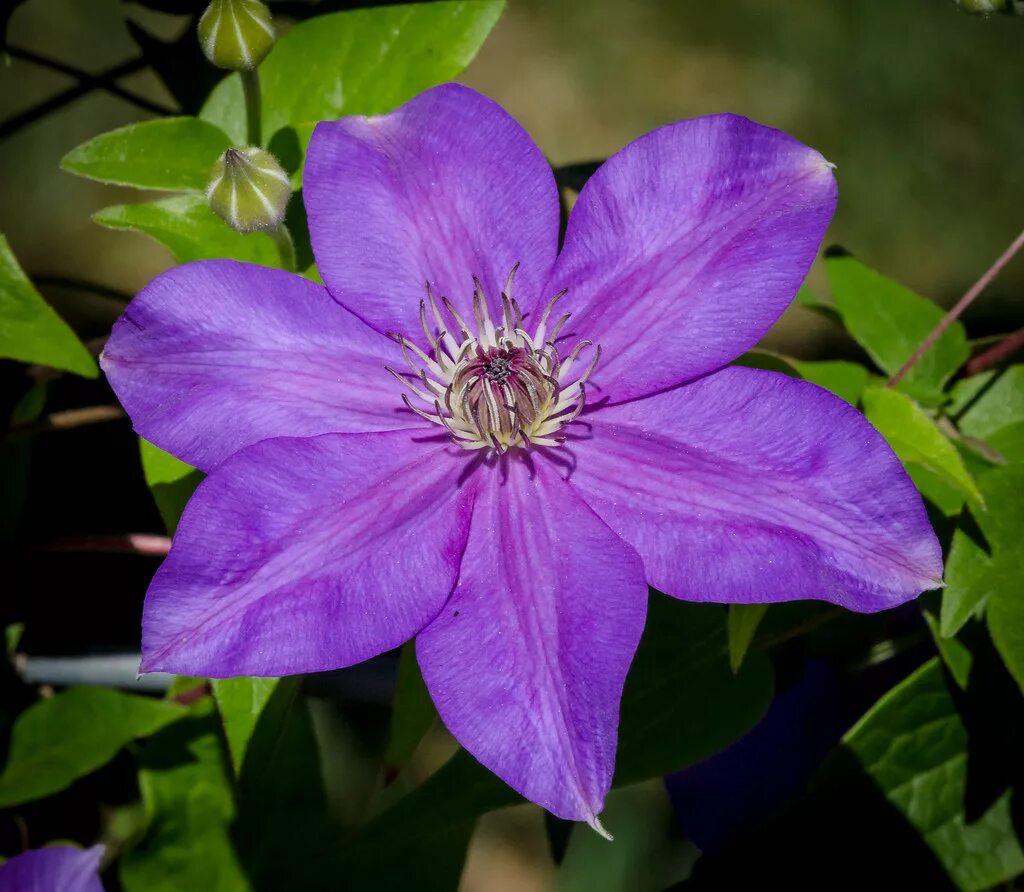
(496, 387)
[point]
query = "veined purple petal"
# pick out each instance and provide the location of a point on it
(53, 869)
(749, 486)
(527, 660)
(687, 245)
(445, 187)
(299, 555)
(215, 355)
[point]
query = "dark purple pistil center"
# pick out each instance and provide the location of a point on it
(498, 369)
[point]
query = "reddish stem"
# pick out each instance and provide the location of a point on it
(959, 307)
(130, 543)
(995, 355)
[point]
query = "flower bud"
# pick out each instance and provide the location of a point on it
(248, 189)
(236, 34)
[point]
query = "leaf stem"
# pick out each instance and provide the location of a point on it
(959, 307)
(285, 246)
(251, 89)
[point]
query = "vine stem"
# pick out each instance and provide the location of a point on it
(105, 80)
(959, 307)
(70, 418)
(84, 77)
(251, 89)
(995, 355)
(127, 543)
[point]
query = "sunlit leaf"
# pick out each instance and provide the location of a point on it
(168, 153)
(171, 482)
(915, 438)
(63, 738)
(889, 321)
(987, 403)
(190, 230)
(240, 702)
(30, 331)
(360, 62)
(846, 380)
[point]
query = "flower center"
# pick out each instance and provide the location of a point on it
(494, 386)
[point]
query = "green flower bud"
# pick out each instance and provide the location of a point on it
(236, 34)
(248, 189)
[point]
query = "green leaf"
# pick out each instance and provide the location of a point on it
(742, 624)
(1009, 442)
(846, 380)
(956, 656)
(412, 713)
(772, 362)
(914, 745)
(986, 562)
(241, 701)
(59, 740)
(421, 841)
(970, 581)
(282, 817)
(1003, 525)
(190, 230)
(186, 791)
(889, 321)
(936, 490)
(648, 853)
(810, 301)
(171, 482)
(915, 438)
(16, 461)
(168, 153)
(30, 331)
(991, 402)
(362, 62)
(682, 702)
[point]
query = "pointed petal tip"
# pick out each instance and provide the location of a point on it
(598, 828)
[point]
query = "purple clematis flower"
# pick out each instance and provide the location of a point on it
(561, 433)
(53, 869)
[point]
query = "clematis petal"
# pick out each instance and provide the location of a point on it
(215, 355)
(299, 555)
(445, 187)
(527, 660)
(53, 868)
(687, 245)
(749, 486)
